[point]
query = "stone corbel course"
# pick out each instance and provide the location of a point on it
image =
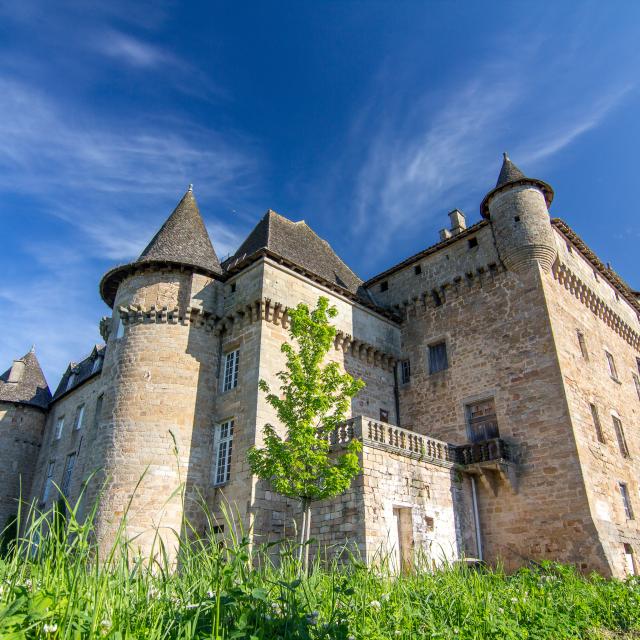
(447, 291)
(572, 283)
(260, 310)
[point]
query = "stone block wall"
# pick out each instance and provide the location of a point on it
(500, 345)
(21, 429)
(587, 382)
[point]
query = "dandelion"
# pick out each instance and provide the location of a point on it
(500, 609)
(50, 628)
(375, 604)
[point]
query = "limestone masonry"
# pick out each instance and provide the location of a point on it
(500, 419)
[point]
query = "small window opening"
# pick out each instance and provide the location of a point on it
(217, 528)
(430, 523)
(384, 286)
(636, 381)
(437, 298)
(233, 287)
(622, 441)
(630, 560)
(405, 371)
(516, 218)
(384, 415)
(569, 248)
(417, 270)
(626, 500)
(596, 422)
(583, 345)
(472, 242)
(613, 372)
(438, 360)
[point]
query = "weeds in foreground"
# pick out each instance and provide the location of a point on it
(54, 585)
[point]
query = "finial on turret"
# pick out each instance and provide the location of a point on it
(190, 189)
(505, 155)
(33, 348)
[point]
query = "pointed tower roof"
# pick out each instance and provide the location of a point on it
(297, 243)
(182, 240)
(510, 175)
(24, 383)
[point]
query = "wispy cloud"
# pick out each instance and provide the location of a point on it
(442, 152)
(132, 51)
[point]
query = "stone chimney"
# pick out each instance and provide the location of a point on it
(458, 222)
(17, 370)
(444, 234)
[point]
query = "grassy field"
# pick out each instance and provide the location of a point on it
(57, 589)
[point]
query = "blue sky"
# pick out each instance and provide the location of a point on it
(369, 120)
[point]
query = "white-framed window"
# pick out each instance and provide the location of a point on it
(79, 417)
(48, 483)
(230, 378)
(613, 372)
(59, 427)
(68, 474)
(222, 447)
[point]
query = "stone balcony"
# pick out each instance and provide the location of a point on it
(491, 460)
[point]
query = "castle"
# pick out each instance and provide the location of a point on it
(500, 418)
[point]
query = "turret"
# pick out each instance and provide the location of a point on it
(518, 211)
(160, 369)
(24, 398)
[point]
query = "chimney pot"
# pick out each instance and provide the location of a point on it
(458, 221)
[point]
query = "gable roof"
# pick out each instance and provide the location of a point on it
(82, 371)
(298, 243)
(31, 388)
(182, 240)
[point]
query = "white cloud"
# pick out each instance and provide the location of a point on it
(132, 51)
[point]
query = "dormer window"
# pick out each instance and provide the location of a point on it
(71, 381)
(97, 363)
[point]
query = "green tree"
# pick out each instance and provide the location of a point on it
(315, 398)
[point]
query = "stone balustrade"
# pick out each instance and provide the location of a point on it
(380, 435)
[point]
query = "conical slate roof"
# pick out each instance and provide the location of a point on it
(297, 243)
(30, 386)
(512, 175)
(509, 172)
(182, 240)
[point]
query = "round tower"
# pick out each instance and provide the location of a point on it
(518, 211)
(24, 398)
(160, 382)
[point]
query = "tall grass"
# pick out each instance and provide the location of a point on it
(54, 584)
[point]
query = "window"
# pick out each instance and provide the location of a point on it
(96, 417)
(636, 381)
(119, 328)
(596, 422)
(516, 218)
(626, 501)
(438, 357)
(59, 428)
(97, 363)
(233, 287)
(48, 480)
(222, 445)
(583, 345)
(472, 242)
(79, 417)
(630, 560)
(384, 286)
(68, 473)
(437, 298)
(70, 381)
(230, 380)
(612, 366)
(622, 443)
(482, 423)
(417, 270)
(405, 371)
(384, 415)
(430, 523)
(638, 364)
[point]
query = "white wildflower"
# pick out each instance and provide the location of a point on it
(50, 628)
(500, 609)
(384, 597)
(210, 594)
(375, 604)
(456, 630)
(192, 605)
(397, 632)
(105, 624)
(351, 638)
(514, 599)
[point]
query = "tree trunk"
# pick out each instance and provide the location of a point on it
(307, 538)
(303, 531)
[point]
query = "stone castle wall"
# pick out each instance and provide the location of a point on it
(21, 429)
(587, 381)
(500, 346)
